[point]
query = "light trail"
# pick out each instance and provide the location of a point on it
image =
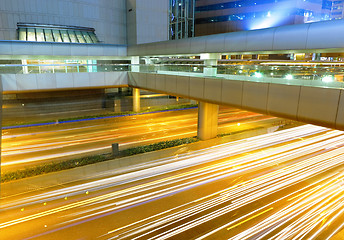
(39, 145)
(287, 179)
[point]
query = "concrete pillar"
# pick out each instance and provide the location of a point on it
(136, 99)
(207, 120)
(117, 105)
(135, 61)
(210, 62)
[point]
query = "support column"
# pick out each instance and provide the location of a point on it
(210, 62)
(207, 120)
(136, 99)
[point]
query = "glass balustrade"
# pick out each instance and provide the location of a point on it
(330, 76)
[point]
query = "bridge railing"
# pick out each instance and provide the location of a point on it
(60, 68)
(317, 75)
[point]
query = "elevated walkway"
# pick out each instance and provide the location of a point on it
(313, 103)
(296, 93)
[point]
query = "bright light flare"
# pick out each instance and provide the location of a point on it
(327, 79)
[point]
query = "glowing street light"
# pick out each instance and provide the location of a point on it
(289, 77)
(327, 79)
(258, 75)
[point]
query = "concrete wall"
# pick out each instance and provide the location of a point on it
(13, 83)
(107, 17)
(322, 106)
(147, 21)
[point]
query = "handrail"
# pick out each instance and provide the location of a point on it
(318, 75)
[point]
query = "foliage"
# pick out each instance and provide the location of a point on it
(68, 164)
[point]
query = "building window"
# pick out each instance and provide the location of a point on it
(55, 33)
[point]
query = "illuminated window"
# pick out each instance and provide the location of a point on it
(72, 36)
(55, 33)
(22, 34)
(48, 35)
(31, 34)
(57, 36)
(40, 35)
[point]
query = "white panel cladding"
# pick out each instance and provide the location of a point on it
(26, 81)
(214, 43)
(160, 82)
(340, 111)
(46, 81)
(64, 80)
(212, 89)
(9, 82)
(109, 51)
(322, 106)
(261, 39)
(235, 42)
(147, 29)
(151, 81)
(171, 83)
(286, 96)
(143, 80)
(21, 48)
(116, 78)
(42, 49)
(183, 45)
(97, 79)
(6, 48)
(62, 49)
(318, 105)
(291, 37)
(198, 45)
(325, 35)
(170, 47)
(95, 50)
(183, 85)
(255, 96)
(310, 36)
(232, 92)
(50, 81)
(78, 50)
(197, 87)
(81, 79)
(122, 51)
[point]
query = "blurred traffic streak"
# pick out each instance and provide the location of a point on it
(283, 185)
(24, 147)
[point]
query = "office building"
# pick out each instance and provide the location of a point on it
(237, 15)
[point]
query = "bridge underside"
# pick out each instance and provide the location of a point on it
(315, 105)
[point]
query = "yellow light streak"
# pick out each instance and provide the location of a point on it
(254, 216)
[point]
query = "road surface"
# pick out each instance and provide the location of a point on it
(284, 185)
(30, 146)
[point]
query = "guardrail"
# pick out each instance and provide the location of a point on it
(317, 75)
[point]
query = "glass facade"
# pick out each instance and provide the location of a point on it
(181, 14)
(238, 15)
(54, 33)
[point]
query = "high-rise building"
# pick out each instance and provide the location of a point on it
(181, 19)
(337, 9)
(236, 15)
